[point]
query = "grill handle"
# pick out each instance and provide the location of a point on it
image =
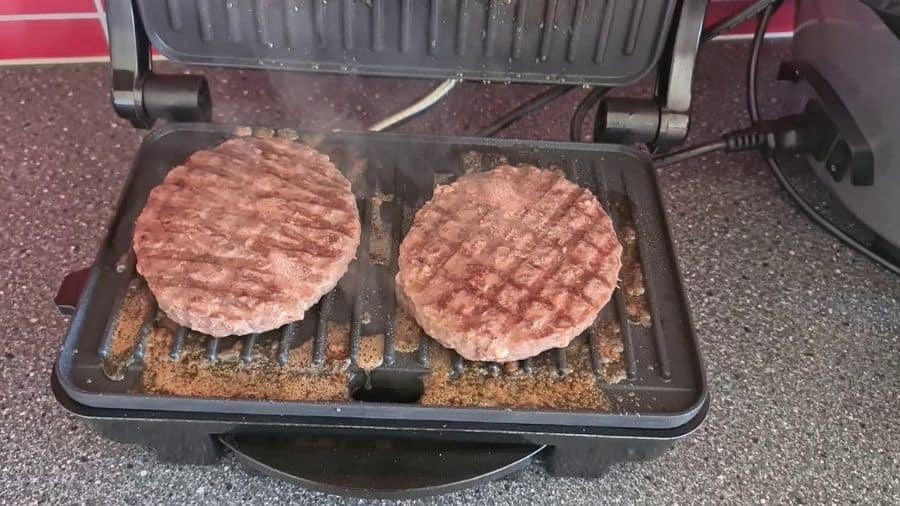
(69, 292)
(379, 469)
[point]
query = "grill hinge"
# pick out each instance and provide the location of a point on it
(138, 94)
(662, 121)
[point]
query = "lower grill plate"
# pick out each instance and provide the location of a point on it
(638, 367)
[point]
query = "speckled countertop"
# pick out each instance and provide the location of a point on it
(799, 334)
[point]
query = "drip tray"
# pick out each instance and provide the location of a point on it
(383, 469)
(358, 355)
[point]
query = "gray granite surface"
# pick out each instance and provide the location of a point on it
(800, 334)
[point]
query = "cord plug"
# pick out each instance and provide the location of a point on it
(794, 134)
(811, 132)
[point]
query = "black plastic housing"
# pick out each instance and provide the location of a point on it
(197, 438)
(369, 448)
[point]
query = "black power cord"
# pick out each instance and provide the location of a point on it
(584, 107)
(527, 107)
(775, 167)
(790, 134)
(753, 62)
(731, 23)
(689, 152)
(797, 133)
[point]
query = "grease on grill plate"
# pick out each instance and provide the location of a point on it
(406, 331)
(611, 351)
(192, 376)
(230, 375)
(544, 387)
(371, 352)
(632, 272)
(127, 331)
(380, 244)
(255, 373)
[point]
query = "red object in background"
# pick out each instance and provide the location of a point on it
(57, 38)
(782, 22)
(14, 7)
(51, 30)
(59, 29)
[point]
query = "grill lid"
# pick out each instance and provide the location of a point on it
(545, 41)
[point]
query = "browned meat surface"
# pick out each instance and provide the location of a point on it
(246, 237)
(505, 264)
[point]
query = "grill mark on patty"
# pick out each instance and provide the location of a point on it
(224, 181)
(534, 289)
(168, 255)
(560, 211)
(223, 178)
(246, 241)
(281, 150)
(327, 181)
(459, 304)
(327, 178)
(217, 194)
(241, 239)
(454, 250)
(232, 291)
(261, 276)
(239, 245)
(270, 168)
(223, 209)
(270, 233)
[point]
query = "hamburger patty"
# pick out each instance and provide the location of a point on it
(505, 264)
(245, 237)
